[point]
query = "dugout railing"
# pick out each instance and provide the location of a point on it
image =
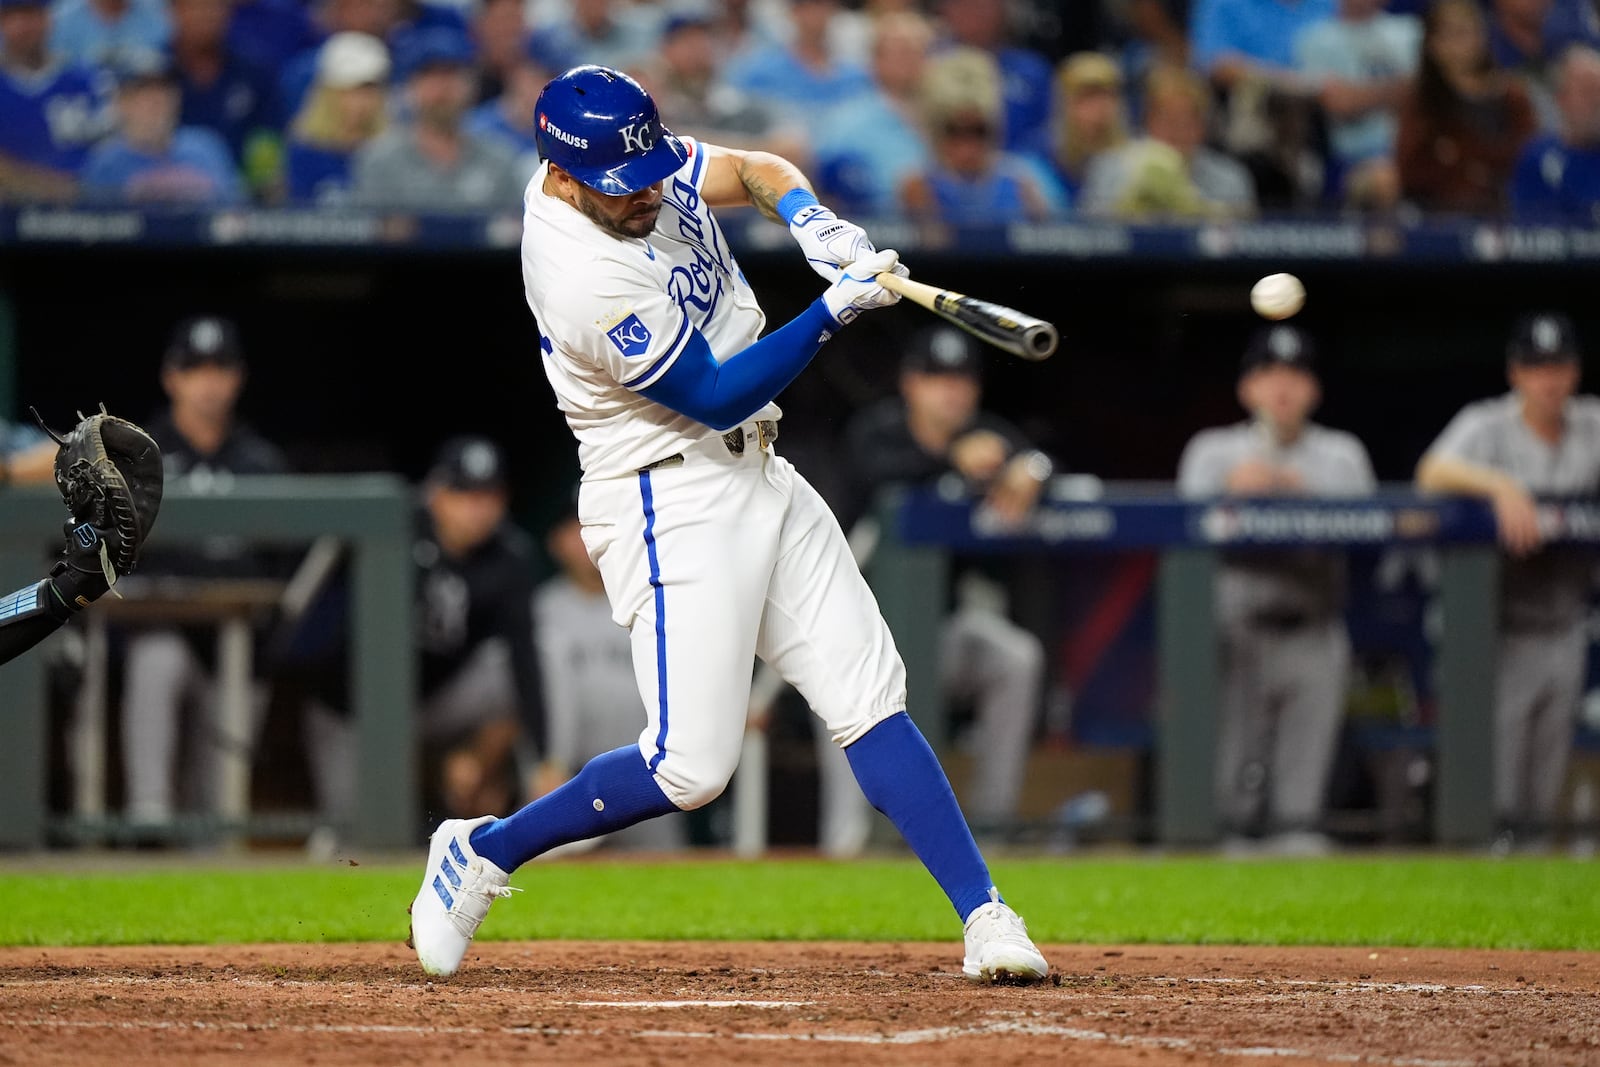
(921, 530)
(371, 514)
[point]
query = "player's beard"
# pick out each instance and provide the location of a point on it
(637, 223)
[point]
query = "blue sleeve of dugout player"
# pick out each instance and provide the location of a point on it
(724, 395)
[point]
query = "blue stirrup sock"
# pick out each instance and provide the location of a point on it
(614, 790)
(902, 778)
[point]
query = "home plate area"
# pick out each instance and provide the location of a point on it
(807, 1003)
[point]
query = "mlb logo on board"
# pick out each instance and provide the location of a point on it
(630, 336)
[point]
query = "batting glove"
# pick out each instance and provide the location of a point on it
(857, 288)
(828, 241)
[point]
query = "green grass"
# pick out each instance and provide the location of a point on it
(1523, 903)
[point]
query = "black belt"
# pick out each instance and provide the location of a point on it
(734, 439)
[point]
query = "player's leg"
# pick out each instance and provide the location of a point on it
(1241, 729)
(331, 758)
(1550, 736)
(1001, 666)
(684, 555)
(159, 671)
(823, 632)
(1312, 670)
(1519, 686)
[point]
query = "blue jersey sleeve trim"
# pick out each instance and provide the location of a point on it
(726, 394)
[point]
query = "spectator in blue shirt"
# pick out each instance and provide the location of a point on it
(685, 81)
(95, 32)
(394, 22)
(804, 78)
(1025, 74)
(508, 118)
(51, 111)
(1232, 40)
(346, 109)
(500, 31)
(972, 181)
(151, 159)
(270, 32)
(1558, 175)
(1091, 116)
(1360, 64)
(225, 92)
(594, 33)
(873, 143)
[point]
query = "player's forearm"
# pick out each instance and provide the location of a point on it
(722, 395)
(30, 615)
(1446, 474)
(767, 179)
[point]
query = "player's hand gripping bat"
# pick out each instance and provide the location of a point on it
(1005, 328)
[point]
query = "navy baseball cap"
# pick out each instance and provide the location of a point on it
(437, 46)
(469, 462)
(942, 350)
(1544, 337)
(1280, 345)
(201, 340)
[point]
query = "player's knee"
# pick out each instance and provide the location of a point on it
(694, 788)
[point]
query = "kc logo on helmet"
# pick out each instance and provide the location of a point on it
(638, 137)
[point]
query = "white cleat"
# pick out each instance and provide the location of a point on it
(457, 889)
(999, 949)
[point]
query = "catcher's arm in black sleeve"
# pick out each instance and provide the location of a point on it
(108, 471)
(36, 611)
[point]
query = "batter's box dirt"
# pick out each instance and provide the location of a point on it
(711, 1003)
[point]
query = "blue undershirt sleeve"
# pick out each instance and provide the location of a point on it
(724, 395)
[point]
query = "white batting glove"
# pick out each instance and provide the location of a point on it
(828, 241)
(857, 289)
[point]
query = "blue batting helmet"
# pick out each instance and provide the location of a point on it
(600, 126)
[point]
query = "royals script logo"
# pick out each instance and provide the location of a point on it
(698, 285)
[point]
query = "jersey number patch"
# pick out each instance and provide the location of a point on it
(630, 336)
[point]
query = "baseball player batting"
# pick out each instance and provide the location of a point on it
(712, 547)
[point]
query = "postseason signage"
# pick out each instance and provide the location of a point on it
(1147, 520)
(1266, 240)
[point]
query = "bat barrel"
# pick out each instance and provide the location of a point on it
(1039, 340)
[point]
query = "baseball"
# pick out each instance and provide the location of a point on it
(1277, 296)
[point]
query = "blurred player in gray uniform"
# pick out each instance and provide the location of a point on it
(1285, 651)
(591, 702)
(1537, 439)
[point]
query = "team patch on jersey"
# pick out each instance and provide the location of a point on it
(630, 336)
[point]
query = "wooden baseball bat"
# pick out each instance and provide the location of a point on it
(1005, 328)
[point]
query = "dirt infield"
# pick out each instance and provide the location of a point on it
(783, 1003)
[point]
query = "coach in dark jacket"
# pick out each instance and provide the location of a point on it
(480, 690)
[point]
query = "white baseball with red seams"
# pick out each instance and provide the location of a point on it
(1278, 296)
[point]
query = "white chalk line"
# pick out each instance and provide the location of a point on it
(1331, 985)
(685, 1003)
(904, 1037)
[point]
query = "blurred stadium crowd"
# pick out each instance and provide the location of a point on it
(965, 111)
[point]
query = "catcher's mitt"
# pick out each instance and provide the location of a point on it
(109, 473)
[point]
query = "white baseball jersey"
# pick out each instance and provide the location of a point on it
(727, 554)
(614, 313)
